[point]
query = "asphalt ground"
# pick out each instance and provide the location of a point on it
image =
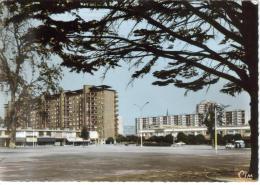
(122, 163)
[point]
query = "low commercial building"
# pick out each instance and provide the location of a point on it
(30, 136)
(244, 131)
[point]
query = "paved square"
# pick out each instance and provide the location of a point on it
(121, 163)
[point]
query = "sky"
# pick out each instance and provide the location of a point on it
(141, 90)
(161, 99)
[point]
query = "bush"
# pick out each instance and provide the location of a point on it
(120, 138)
(132, 138)
(220, 140)
(237, 137)
(84, 133)
(228, 138)
(110, 140)
(181, 137)
(191, 139)
(157, 139)
(200, 139)
(168, 139)
(157, 144)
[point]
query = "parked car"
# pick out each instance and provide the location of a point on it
(240, 144)
(230, 146)
(179, 144)
(236, 144)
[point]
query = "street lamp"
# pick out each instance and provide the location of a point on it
(141, 113)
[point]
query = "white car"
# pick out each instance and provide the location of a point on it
(239, 144)
(179, 144)
(229, 146)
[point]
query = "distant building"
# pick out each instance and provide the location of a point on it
(94, 107)
(232, 122)
(235, 117)
(204, 106)
(120, 126)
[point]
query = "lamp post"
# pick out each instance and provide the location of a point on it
(141, 113)
(216, 133)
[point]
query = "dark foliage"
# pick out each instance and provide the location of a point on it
(168, 139)
(120, 138)
(191, 139)
(181, 137)
(157, 29)
(110, 140)
(157, 144)
(84, 133)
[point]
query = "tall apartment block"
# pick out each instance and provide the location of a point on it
(205, 106)
(191, 120)
(235, 117)
(94, 107)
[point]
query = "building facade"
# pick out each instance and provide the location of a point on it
(233, 122)
(204, 106)
(94, 107)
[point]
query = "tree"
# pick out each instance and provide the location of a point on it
(200, 139)
(110, 140)
(120, 138)
(168, 139)
(24, 74)
(191, 139)
(228, 138)
(220, 139)
(181, 137)
(201, 42)
(217, 111)
(84, 133)
(1, 120)
(237, 137)
(209, 122)
(132, 138)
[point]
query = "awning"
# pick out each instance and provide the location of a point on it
(46, 140)
(20, 139)
(78, 140)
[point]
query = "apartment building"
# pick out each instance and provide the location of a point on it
(204, 106)
(232, 122)
(235, 117)
(94, 107)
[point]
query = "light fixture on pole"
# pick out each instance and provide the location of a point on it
(141, 125)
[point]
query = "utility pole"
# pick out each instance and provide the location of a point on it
(216, 133)
(141, 125)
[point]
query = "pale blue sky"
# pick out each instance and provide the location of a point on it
(160, 98)
(141, 91)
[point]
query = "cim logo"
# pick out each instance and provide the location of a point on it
(244, 174)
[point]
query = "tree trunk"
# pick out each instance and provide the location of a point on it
(12, 126)
(254, 136)
(12, 122)
(250, 36)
